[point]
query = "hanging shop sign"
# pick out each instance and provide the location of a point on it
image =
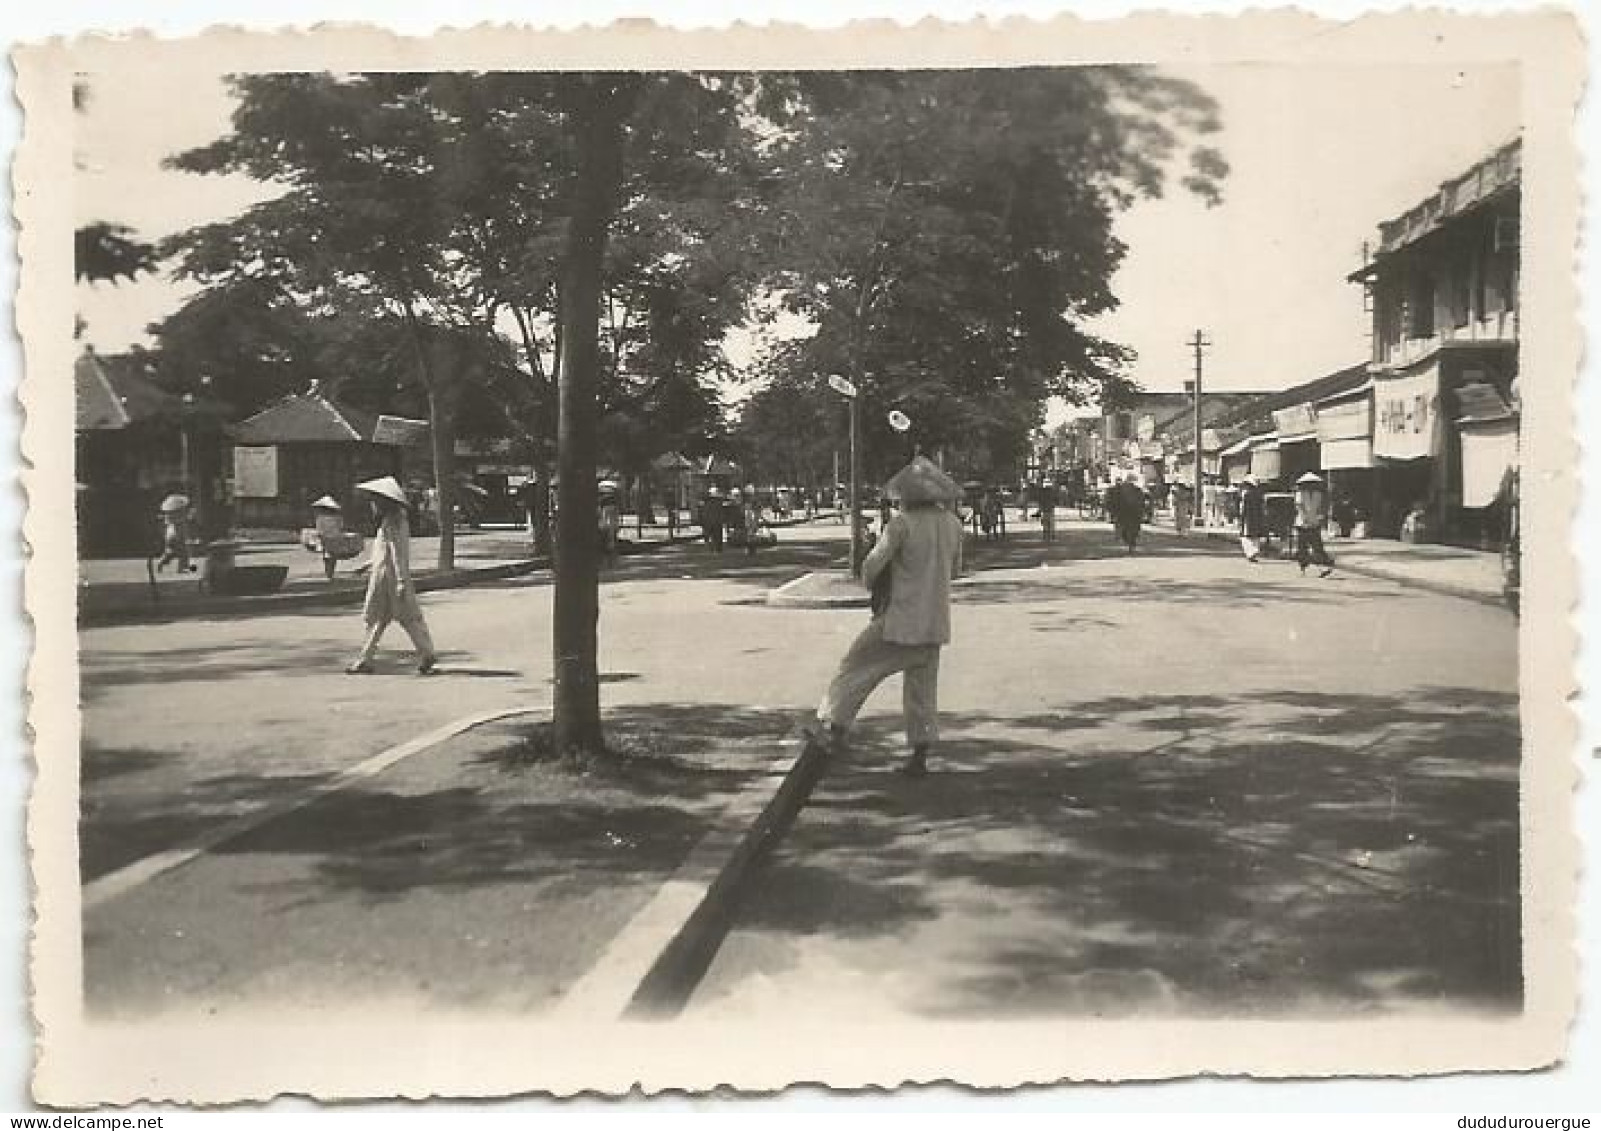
(1406, 412)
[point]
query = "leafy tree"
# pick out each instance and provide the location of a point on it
(104, 253)
(362, 226)
(950, 235)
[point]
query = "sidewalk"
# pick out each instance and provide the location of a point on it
(118, 590)
(1474, 575)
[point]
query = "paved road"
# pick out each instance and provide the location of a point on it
(1302, 714)
(1170, 784)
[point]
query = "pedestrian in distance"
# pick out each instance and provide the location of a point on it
(1311, 515)
(997, 504)
(1253, 518)
(750, 520)
(611, 521)
(391, 593)
(1125, 504)
(909, 572)
(173, 517)
(1048, 510)
(711, 519)
(328, 521)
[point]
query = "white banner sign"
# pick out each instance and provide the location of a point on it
(255, 473)
(1406, 414)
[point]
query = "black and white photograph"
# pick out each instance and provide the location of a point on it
(715, 551)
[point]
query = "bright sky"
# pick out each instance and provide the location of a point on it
(1318, 157)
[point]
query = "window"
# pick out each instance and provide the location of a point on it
(1461, 290)
(1420, 301)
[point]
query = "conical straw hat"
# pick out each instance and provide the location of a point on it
(922, 482)
(385, 486)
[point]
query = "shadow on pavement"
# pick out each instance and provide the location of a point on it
(1265, 855)
(455, 877)
(366, 833)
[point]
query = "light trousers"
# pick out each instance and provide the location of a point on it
(411, 620)
(869, 662)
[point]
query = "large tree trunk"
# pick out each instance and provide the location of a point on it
(598, 109)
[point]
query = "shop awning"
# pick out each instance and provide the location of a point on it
(1342, 455)
(1480, 402)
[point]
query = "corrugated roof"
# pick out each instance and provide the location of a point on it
(307, 418)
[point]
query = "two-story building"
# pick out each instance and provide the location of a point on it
(1443, 289)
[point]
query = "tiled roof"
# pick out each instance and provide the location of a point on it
(111, 393)
(307, 418)
(1257, 414)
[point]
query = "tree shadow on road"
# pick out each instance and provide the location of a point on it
(1335, 854)
(367, 834)
(1223, 594)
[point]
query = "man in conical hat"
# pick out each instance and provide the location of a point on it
(1311, 515)
(916, 557)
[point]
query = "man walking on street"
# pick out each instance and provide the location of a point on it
(711, 519)
(1311, 515)
(1253, 518)
(1125, 504)
(916, 556)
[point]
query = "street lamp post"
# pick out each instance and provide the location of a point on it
(847, 389)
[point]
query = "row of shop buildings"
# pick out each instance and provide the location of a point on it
(1421, 438)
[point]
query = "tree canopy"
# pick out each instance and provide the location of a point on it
(950, 234)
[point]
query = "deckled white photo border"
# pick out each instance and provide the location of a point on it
(81, 1063)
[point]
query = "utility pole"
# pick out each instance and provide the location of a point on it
(1199, 344)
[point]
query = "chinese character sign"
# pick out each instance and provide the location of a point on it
(1406, 416)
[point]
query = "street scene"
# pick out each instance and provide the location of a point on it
(1260, 835)
(780, 546)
